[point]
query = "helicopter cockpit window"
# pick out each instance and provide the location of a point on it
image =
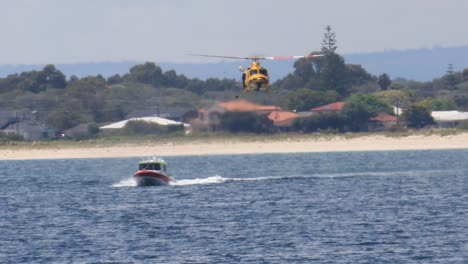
(252, 72)
(264, 72)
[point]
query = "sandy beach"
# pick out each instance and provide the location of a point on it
(216, 147)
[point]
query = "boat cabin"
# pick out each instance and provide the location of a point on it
(152, 165)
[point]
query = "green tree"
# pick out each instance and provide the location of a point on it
(436, 104)
(326, 73)
(148, 73)
(384, 81)
(332, 71)
(115, 79)
(359, 108)
(172, 79)
(357, 75)
(93, 128)
(329, 41)
(87, 96)
(465, 74)
(417, 116)
(305, 99)
(290, 82)
(52, 78)
(304, 69)
(335, 75)
(450, 77)
(62, 119)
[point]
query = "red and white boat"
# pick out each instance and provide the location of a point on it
(152, 171)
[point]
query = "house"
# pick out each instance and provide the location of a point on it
(332, 107)
(31, 130)
(382, 122)
(449, 118)
(173, 113)
(209, 118)
(283, 119)
(246, 106)
(152, 119)
(78, 131)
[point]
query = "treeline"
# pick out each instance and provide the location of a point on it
(148, 73)
(63, 102)
(326, 79)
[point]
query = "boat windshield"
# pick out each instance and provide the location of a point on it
(149, 166)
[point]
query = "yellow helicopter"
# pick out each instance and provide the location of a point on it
(255, 77)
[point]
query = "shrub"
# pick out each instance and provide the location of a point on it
(93, 128)
(10, 136)
(417, 117)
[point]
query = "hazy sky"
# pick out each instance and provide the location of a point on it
(67, 31)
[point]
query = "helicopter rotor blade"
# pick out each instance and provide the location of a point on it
(255, 58)
(226, 57)
(292, 57)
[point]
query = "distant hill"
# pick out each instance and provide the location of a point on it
(415, 64)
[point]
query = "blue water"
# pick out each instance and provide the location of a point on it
(359, 207)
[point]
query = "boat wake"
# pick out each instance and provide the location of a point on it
(217, 179)
(130, 182)
(198, 181)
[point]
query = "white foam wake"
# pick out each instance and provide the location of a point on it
(197, 181)
(218, 179)
(129, 182)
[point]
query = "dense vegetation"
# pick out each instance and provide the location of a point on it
(63, 102)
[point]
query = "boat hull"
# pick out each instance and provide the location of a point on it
(151, 178)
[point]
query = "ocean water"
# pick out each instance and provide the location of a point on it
(356, 207)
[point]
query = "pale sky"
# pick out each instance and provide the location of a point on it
(70, 31)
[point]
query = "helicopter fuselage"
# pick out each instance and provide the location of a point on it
(255, 78)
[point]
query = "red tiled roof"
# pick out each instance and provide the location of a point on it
(383, 117)
(246, 106)
(336, 106)
(282, 116)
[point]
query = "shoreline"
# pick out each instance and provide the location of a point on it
(231, 146)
